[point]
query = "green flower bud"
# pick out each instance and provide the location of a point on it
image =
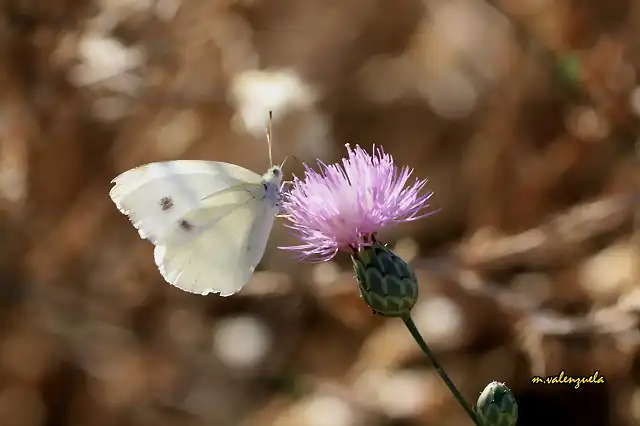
(497, 406)
(386, 282)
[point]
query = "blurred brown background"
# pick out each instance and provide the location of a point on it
(523, 114)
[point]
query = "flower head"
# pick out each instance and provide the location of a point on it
(342, 205)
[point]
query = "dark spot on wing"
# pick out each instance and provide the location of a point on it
(186, 225)
(166, 203)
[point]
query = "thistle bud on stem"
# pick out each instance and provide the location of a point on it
(497, 406)
(386, 282)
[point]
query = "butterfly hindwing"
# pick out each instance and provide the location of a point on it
(229, 234)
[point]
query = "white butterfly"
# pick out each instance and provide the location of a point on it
(209, 221)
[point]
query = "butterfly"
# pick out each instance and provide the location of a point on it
(209, 221)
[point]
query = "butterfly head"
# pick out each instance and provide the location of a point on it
(273, 176)
(272, 181)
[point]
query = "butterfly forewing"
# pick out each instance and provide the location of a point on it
(155, 196)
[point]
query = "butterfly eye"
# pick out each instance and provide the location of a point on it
(275, 172)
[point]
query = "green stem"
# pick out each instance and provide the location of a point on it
(408, 321)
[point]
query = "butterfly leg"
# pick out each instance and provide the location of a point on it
(290, 182)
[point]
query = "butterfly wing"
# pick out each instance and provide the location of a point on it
(155, 196)
(216, 248)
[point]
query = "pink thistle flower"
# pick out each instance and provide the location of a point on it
(344, 205)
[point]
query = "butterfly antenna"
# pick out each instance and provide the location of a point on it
(269, 133)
